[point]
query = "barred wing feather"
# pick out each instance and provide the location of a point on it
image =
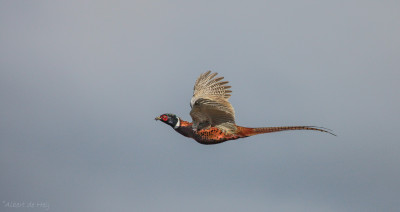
(210, 105)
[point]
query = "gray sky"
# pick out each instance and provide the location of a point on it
(81, 83)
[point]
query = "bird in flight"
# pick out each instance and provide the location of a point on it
(214, 117)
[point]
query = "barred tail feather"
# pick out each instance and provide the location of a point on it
(254, 131)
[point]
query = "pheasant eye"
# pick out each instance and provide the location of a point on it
(164, 118)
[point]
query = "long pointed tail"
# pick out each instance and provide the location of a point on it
(245, 131)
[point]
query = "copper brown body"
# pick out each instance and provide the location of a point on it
(214, 135)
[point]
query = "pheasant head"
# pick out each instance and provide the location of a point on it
(170, 119)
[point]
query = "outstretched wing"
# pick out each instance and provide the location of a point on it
(210, 105)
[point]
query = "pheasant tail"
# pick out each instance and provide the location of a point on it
(245, 131)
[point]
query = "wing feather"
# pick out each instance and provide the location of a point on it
(210, 105)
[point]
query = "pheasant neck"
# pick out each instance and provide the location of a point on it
(178, 124)
(185, 128)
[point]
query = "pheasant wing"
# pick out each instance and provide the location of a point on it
(208, 85)
(210, 105)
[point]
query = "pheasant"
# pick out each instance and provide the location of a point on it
(214, 117)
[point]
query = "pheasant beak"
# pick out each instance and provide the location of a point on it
(157, 118)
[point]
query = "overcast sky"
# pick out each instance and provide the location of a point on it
(81, 83)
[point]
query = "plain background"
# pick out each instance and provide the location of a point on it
(81, 83)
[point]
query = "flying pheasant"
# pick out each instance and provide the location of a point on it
(214, 117)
